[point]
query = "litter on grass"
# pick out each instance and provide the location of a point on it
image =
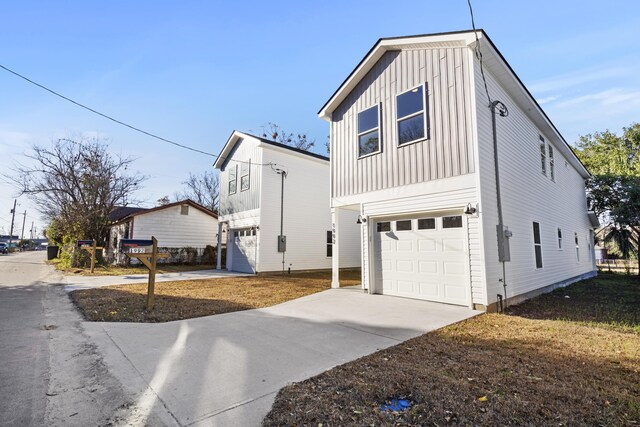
(396, 405)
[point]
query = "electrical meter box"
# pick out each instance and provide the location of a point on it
(282, 243)
(504, 249)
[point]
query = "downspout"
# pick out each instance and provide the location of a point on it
(502, 255)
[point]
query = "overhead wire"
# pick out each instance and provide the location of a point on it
(479, 53)
(120, 122)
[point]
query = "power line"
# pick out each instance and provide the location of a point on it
(120, 122)
(478, 52)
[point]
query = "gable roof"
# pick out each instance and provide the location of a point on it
(492, 61)
(237, 136)
(141, 211)
(120, 212)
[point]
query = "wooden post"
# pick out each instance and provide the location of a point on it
(152, 274)
(93, 256)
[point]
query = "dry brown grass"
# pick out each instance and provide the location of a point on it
(196, 298)
(109, 270)
(552, 367)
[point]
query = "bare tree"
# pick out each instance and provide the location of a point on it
(163, 201)
(76, 183)
(298, 140)
(202, 188)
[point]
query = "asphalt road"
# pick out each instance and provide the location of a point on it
(24, 347)
(51, 373)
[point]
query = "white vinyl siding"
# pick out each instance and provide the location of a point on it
(175, 230)
(562, 205)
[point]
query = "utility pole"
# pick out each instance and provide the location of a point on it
(13, 216)
(24, 219)
(31, 231)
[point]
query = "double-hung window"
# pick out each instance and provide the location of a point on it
(537, 244)
(369, 131)
(233, 179)
(577, 247)
(244, 175)
(543, 155)
(411, 116)
(329, 243)
(552, 168)
(559, 238)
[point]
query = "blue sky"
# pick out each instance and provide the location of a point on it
(193, 71)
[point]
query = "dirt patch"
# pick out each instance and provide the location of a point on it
(559, 365)
(195, 298)
(102, 270)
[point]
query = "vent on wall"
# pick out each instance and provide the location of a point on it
(184, 209)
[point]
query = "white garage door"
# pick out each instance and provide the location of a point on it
(243, 257)
(422, 258)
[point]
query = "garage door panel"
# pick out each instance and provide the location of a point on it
(452, 245)
(454, 268)
(428, 267)
(427, 245)
(404, 266)
(428, 264)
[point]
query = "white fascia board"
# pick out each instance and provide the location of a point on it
(443, 185)
(292, 153)
(379, 49)
(228, 146)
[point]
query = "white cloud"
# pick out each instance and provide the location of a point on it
(547, 100)
(580, 77)
(607, 98)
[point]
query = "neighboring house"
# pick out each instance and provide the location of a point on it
(253, 210)
(412, 150)
(182, 228)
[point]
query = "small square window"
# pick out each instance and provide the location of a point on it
(403, 225)
(381, 227)
(427, 224)
(452, 221)
(184, 209)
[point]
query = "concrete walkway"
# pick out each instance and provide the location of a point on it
(226, 369)
(86, 282)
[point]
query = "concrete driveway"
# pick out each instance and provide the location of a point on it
(86, 282)
(227, 369)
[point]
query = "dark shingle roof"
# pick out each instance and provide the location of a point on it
(120, 212)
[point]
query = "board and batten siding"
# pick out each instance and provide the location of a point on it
(174, 230)
(244, 150)
(448, 152)
(527, 196)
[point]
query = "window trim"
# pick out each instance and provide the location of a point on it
(329, 243)
(379, 128)
(543, 155)
(560, 239)
(248, 174)
(424, 111)
(552, 163)
(235, 181)
(537, 245)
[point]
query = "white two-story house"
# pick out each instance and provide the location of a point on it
(467, 195)
(274, 203)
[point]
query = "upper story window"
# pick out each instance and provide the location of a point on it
(244, 175)
(233, 179)
(369, 131)
(410, 115)
(552, 168)
(559, 238)
(543, 155)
